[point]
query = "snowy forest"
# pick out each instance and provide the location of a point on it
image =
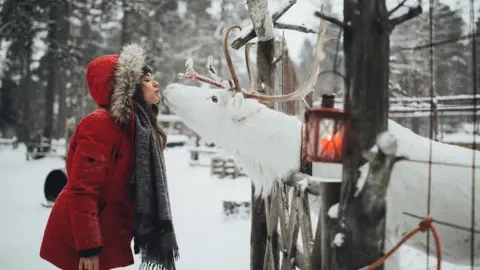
(427, 56)
(46, 45)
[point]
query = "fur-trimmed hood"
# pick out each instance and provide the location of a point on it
(122, 72)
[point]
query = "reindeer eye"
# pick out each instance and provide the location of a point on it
(214, 99)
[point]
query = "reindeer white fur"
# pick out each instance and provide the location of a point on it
(246, 129)
(267, 144)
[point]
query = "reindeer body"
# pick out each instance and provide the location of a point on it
(254, 143)
(267, 144)
(450, 196)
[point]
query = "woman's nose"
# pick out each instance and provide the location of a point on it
(156, 84)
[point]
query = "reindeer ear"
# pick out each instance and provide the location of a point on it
(236, 106)
(240, 107)
(237, 101)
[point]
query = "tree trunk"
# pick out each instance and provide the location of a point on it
(289, 83)
(266, 74)
(52, 71)
(25, 125)
(126, 35)
(258, 234)
(64, 30)
(366, 47)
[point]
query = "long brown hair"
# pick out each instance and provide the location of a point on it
(152, 113)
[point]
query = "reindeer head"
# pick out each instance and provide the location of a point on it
(210, 112)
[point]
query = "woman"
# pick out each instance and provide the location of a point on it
(117, 184)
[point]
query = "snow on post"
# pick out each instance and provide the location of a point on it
(261, 19)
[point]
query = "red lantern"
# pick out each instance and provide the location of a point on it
(325, 127)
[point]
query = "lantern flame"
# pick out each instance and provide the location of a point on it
(331, 145)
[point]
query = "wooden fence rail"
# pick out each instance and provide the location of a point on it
(288, 217)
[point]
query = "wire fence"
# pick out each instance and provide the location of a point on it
(434, 57)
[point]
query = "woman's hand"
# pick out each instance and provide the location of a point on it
(88, 263)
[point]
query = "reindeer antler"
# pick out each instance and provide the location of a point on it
(251, 84)
(216, 80)
(236, 84)
(298, 94)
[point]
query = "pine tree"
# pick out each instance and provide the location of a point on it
(411, 54)
(8, 114)
(451, 59)
(477, 52)
(17, 20)
(409, 68)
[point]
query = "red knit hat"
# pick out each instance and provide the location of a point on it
(120, 71)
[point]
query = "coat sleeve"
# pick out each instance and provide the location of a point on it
(89, 166)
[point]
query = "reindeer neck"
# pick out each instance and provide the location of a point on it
(268, 147)
(277, 135)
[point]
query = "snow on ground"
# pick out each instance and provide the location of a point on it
(207, 240)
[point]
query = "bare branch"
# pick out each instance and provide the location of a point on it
(5, 25)
(298, 28)
(242, 40)
(333, 20)
(283, 10)
(396, 8)
(412, 13)
(276, 60)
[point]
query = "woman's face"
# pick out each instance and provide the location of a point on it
(150, 89)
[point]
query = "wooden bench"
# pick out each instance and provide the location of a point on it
(9, 142)
(174, 140)
(38, 150)
(236, 209)
(196, 151)
(225, 166)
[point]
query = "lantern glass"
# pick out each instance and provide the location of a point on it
(324, 135)
(330, 140)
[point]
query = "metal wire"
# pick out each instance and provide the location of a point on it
(430, 45)
(474, 86)
(432, 94)
(443, 223)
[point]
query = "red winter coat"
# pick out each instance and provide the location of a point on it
(93, 215)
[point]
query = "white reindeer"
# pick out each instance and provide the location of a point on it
(267, 144)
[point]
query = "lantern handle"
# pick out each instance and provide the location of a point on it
(345, 84)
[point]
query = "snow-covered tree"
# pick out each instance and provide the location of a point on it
(410, 51)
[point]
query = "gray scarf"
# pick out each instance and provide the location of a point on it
(154, 236)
